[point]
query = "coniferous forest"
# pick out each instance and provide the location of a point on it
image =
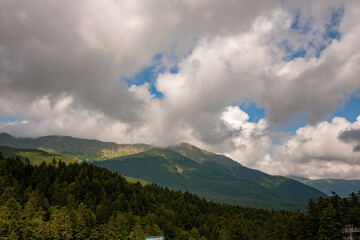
(82, 201)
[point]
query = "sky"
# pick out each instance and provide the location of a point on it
(275, 85)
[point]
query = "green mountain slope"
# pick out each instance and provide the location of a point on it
(35, 156)
(209, 179)
(183, 167)
(223, 165)
(202, 156)
(342, 187)
(76, 148)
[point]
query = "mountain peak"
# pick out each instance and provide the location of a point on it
(201, 156)
(4, 134)
(7, 140)
(192, 152)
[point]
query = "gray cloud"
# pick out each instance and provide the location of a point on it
(44, 54)
(83, 48)
(357, 148)
(351, 136)
(61, 66)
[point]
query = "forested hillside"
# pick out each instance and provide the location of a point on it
(82, 201)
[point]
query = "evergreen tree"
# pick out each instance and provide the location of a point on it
(330, 226)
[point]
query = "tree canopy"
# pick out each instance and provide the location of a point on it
(82, 201)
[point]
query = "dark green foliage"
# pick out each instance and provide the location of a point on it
(82, 201)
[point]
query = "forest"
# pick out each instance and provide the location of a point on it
(83, 201)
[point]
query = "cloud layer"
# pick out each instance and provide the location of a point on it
(320, 150)
(62, 65)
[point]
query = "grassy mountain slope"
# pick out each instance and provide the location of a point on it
(207, 179)
(342, 187)
(218, 163)
(202, 156)
(76, 148)
(35, 156)
(183, 167)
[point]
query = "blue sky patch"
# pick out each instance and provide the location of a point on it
(293, 125)
(350, 109)
(148, 75)
(251, 108)
(293, 53)
(303, 26)
(332, 27)
(9, 119)
(300, 26)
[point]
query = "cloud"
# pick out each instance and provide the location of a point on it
(352, 136)
(61, 67)
(249, 141)
(316, 151)
(234, 117)
(84, 48)
(250, 65)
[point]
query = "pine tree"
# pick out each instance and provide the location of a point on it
(330, 226)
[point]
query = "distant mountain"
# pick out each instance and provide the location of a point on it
(76, 148)
(341, 187)
(183, 167)
(35, 156)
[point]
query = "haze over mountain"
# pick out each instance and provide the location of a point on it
(341, 187)
(183, 167)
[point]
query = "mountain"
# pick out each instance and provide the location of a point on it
(76, 148)
(35, 156)
(342, 187)
(183, 167)
(224, 165)
(215, 177)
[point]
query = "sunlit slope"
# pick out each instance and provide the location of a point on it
(76, 148)
(35, 156)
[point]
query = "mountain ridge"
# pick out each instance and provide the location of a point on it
(342, 187)
(183, 167)
(77, 148)
(168, 168)
(229, 183)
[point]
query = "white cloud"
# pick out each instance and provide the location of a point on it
(234, 117)
(317, 151)
(61, 65)
(251, 144)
